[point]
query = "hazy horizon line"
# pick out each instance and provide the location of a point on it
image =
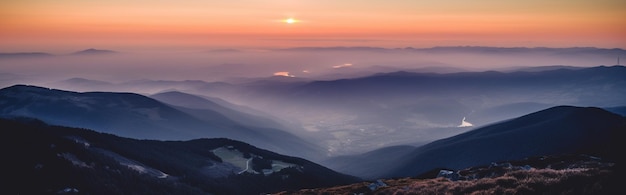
(270, 49)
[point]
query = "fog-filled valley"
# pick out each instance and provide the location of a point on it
(349, 100)
(364, 112)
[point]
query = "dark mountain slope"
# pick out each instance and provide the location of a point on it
(93, 51)
(561, 174)
(124, 114)
(202, 107)
(621, 110)
(25, 55)
(601, 86)
(540, 85)
(43, 161)
(558, 130)
(217, 111)
(137, 116)
(371, 164)
(51, 159)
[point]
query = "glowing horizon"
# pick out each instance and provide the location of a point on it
(147, 25)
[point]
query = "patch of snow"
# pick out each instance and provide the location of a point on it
(465, 123)
(79, 140)
(376, 185)
(230, 155)
(163, 176)
(247, 166)
(451, 175)
(73, 159)
(67, 190)
(133, 165)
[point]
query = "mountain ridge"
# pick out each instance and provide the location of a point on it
(137, 116)
(477, 49)
(557, 130)
(197, 166)
(92, 51)
(568, 130)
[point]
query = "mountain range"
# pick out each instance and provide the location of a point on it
(136, 116)
(408, 108)
(422, 107)
(207, 107)
(61, 160)
(212, 161)
(90, 51)
(412, 120)
(25, 55)
(472, 49)
(554, 131)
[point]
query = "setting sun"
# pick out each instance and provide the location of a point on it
(313, 96)
(290, 20)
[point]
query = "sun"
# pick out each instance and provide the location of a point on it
(290, 20)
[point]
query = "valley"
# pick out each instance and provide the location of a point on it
(388, 132)
(312, 97)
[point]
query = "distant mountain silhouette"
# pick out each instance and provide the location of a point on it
(411, 107)
(543, 68)
(82, 83)
(137, 116)
(54, 159)
(438, 69)
(203, 107)
(564, 52)
(25, 55)
(90, 51)
(598, 86)
(554, 131)
(93, 51)
(416, 107)
(334, 49)
(472, 49)
(159, 86)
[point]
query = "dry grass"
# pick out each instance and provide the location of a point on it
(535, 181)
(543, 181)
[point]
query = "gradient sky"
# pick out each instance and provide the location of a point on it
(142, 25)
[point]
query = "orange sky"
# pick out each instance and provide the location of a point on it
(137, 25)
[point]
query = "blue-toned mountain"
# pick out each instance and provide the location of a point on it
(136, 116)
(562, 130)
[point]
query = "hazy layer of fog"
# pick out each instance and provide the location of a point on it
(316, 63)
(343, 117)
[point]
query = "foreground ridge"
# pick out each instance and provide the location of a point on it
(569, 174)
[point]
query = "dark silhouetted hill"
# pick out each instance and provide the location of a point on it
(25, 55)
(554, 131)
(53, 159)
(93, 51)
